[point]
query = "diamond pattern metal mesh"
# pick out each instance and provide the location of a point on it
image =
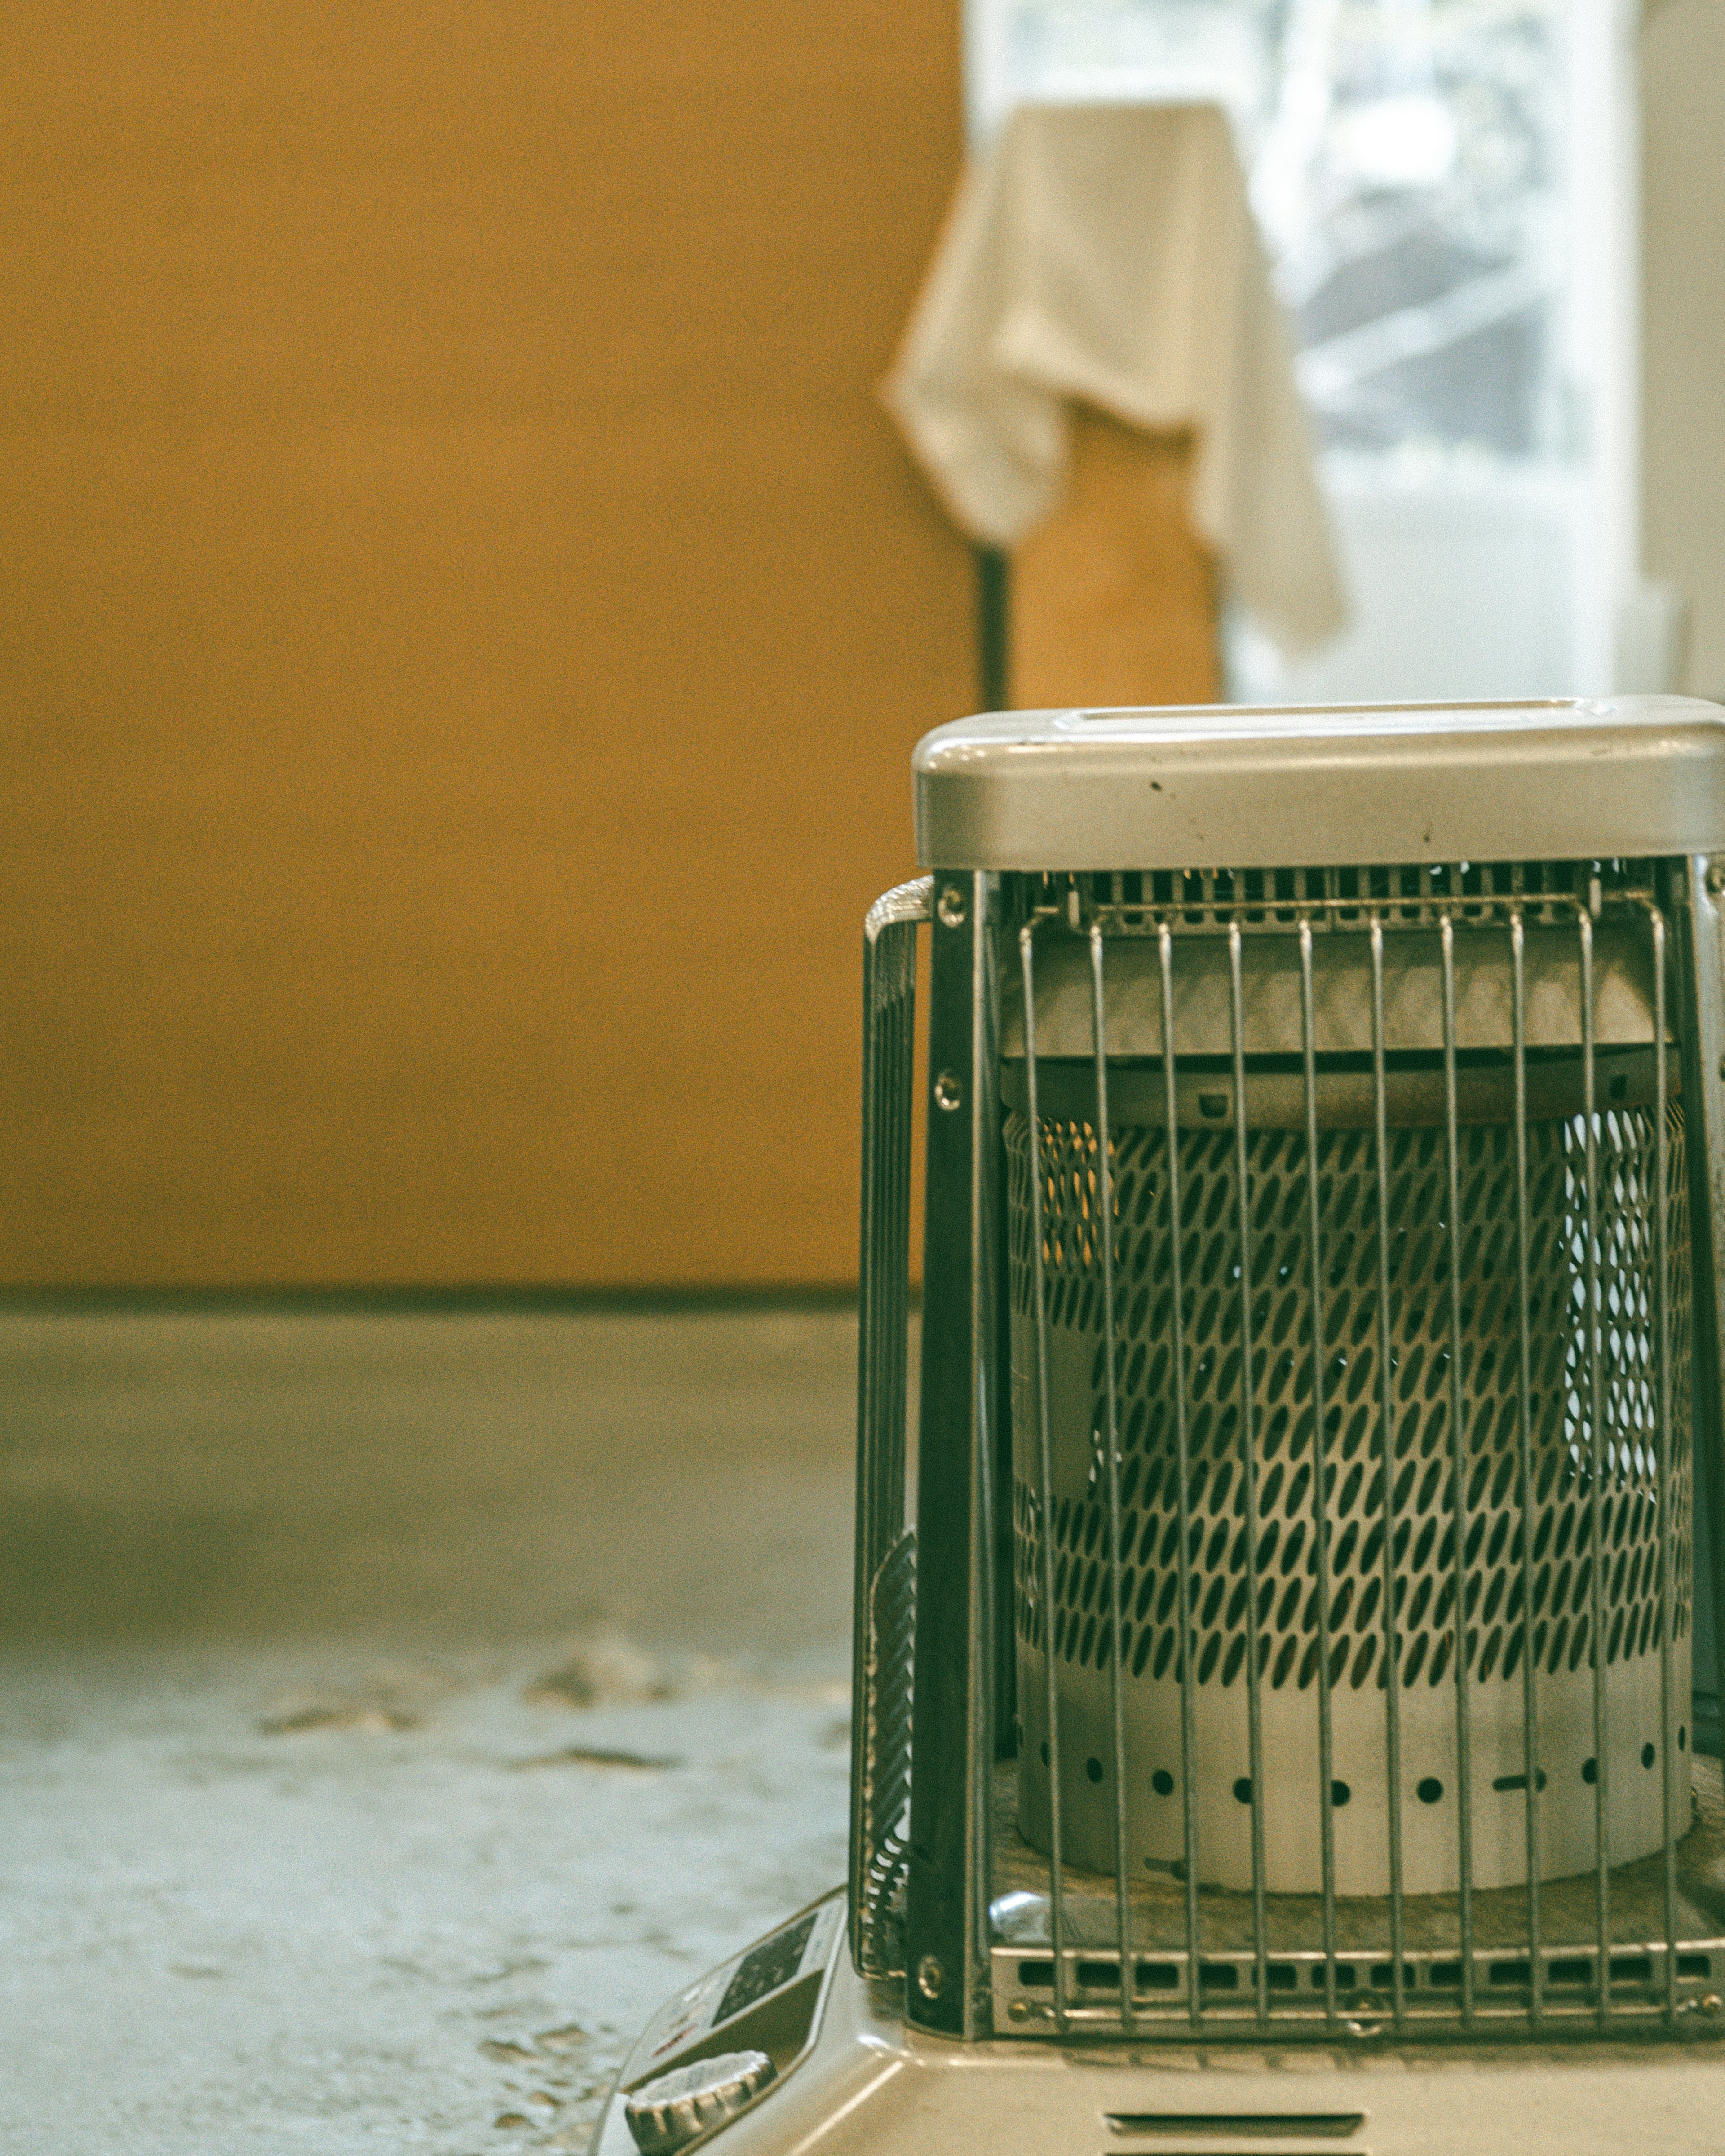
(1498, 1627)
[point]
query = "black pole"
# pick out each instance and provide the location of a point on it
(994, 627)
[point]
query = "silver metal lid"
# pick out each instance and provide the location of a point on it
(1215, 785)
(666, 2112)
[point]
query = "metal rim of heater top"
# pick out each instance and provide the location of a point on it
(1468, 959)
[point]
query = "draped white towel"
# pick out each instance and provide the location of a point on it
(1108, 252)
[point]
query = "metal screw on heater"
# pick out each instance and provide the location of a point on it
(949, 1090)
(1716, 877)
(952, 908)
(929, 1976)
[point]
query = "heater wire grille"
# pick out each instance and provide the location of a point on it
(1440, 1258)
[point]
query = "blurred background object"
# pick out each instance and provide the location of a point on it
(1450, 192)
(1116, 592)
(1682, 53)
(465, 627)
(1096, 377)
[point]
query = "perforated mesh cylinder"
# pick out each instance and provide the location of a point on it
(1556, 1523)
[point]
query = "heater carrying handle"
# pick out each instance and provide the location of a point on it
(889, 1032)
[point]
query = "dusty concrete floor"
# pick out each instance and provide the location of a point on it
(299, 1849)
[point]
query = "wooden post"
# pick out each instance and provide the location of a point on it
(1114, 597)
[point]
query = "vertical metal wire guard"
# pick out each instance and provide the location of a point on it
(1597, 1460)
(1700, 935)
(1386, 1364)
(1105, 1244)
(1524, 1441)
(888, 1018)
(1665, 1480)
(1320, 1478)
(1249, 1466)
(1459, 1497)
(1045, 1463)
(986, 1197)
(1183, 1656)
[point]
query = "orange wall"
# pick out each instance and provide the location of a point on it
(464, 624)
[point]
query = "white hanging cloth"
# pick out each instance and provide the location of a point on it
(1108, 253)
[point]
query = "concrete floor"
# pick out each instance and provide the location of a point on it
(394, 1708)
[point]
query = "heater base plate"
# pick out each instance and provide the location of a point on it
(1294, 1942)
(868, 2085)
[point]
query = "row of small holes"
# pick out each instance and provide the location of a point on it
(1429, 1791)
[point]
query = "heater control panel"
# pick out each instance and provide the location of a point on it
(766, 1997)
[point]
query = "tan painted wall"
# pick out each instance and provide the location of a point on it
(464, 625)
(1683, 360)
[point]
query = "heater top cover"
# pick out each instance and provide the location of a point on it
(1618, 777)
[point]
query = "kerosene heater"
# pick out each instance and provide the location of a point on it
(1275, 1737)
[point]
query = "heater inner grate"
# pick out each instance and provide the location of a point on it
(1424, 1496)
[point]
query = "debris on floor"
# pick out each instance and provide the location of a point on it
(586, 1755)
(289, 1596)
(606, 1671)
(342, 1714)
